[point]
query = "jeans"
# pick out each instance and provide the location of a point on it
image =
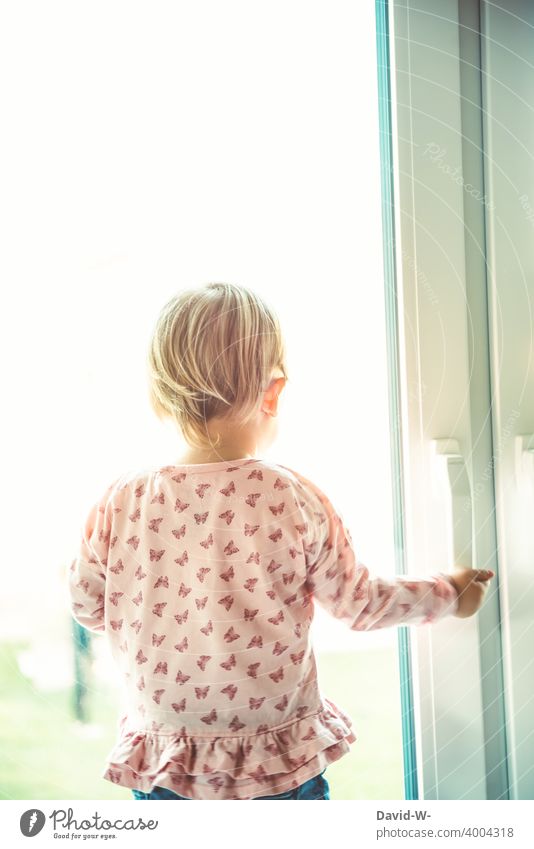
(314, 788)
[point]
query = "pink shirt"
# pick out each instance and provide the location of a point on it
(203, 578)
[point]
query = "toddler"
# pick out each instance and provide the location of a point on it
(203, 574)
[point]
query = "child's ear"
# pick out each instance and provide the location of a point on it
(272, 394)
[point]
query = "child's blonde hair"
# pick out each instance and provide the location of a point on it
(212, 353)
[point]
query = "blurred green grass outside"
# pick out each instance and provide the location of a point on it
(45, 757)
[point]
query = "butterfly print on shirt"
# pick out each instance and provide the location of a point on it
(279, 484)
(250, 614)
(210, 718)
(283, 532)
(231, 635)
(258, 774)
(254, 557)
(84, 586)
(114, 598)
(230, 690)
(310, 735)
(156, 555)
(277, 619)
(205, 543)
(162, 581)
(278, 675)
(236, 724)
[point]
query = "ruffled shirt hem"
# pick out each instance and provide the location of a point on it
(236, 767)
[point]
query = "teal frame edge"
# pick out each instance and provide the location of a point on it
(392, 343)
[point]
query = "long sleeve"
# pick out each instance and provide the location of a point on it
(343, 585)
(86, 577)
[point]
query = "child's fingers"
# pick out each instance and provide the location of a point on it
(484, 574)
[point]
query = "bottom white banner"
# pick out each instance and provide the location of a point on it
(235, 825)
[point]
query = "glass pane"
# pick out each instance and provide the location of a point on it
(202, 144)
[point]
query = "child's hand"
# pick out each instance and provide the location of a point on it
(472, 585)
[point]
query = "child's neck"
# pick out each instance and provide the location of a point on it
(226, 451)
(189, 458)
